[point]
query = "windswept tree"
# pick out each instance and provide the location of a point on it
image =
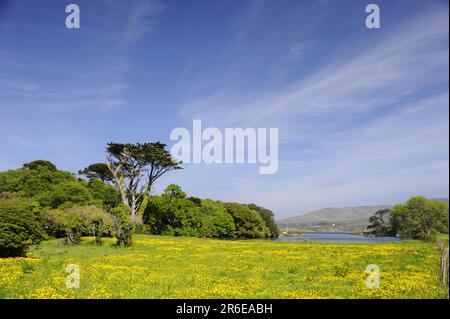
(134, 169)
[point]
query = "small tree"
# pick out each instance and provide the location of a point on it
(123, 225)
(174, 191)
(76, 221)
(99, 223)
(73, 221)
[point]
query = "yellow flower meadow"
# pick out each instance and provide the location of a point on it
(169, 267)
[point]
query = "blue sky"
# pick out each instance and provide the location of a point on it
(363, 114)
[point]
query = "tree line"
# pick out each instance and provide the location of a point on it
(38, 202)
(417, 218)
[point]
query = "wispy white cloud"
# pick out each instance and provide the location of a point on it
(369, 126)
(25, 95)
(392, 157)
(141, 19)
(95, 84)
(297, 48)
(23, 86)
(406, 61)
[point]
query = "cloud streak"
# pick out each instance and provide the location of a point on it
(409, 60)
(395, 156)
(141, 20)
(369, 126)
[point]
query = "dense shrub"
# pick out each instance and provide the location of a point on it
(72, 221)
(40, 164)
(103, 193)
(269, 219)
(99, 223)
(197, 201)
(20, 224)
(248, 223)
(52, 188)
(32, 182)
(168, 215)
(215, 221)
(68, 193)
(76, 221)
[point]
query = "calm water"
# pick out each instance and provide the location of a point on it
(338, 238)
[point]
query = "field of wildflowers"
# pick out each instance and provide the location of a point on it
(181, 267)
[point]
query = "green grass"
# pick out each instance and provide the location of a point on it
(170, 267)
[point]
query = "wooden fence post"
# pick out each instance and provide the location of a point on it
(444, 268)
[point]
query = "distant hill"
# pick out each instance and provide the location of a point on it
(445, 200)
(340, 216)
(344, 218)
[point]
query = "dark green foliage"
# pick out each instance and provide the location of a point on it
(176, 216)
(53, 187)
(32, 182)
(40, 164)
(174, 191)
(269, 219)
(215, 221)
(77, 221)
(122, 225)
(71, 221)
(50, 202)
(97, 171)
(197, 201)
(104, 193)
(68, 193)
(420, 218)
(20, 224)
(51, 223)
(248, 223)
(99, 223)
(379, 223)
(56, 196)
(172, 214)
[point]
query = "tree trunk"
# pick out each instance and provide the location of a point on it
(124, 239)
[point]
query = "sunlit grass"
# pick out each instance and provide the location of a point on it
(181, 267)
